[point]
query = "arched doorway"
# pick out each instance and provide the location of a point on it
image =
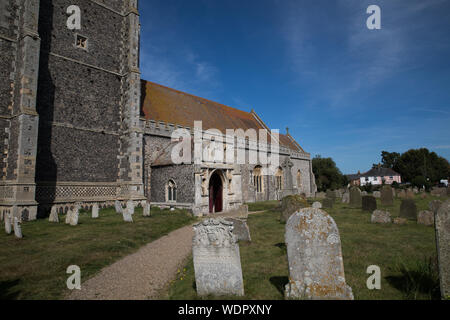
(215, 193)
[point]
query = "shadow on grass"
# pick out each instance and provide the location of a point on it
(7, 290)
(279, 283)
(417, 279)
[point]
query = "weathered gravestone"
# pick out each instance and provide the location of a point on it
(387, 197)
(381, 216)
(321, 195)
(128, 212)
(377, 194)
(401, 194)
(146, 209)
(333, 194)
(217, 261)
(355, 197)
(328, 203)
(17, 228)
(410, 194)
(369, 203)
(8, 222)
(434, 206)
(408, 209)
(118, 207)
(364, 193)
(290, 205)
(346, 197)
(240, 229)
(442, 223)
(317, 205)
(95, 210)
(316, 268)
(73, 214)
(54, 215)
(426, 218)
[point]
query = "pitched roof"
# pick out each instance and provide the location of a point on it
(374, 172)
(160, 103)
(380, 172)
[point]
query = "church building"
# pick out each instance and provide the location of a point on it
(79, 125)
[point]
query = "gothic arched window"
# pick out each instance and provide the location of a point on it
(171, 191)
(279, 179)
(258, 179)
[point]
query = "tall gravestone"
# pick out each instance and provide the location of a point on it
(17, 228)
(118, 207)
(387, 196)
(369, 203)
(316, 268)
(146, 209)
(8, 222)
(95, 211)
(355, 197)
(217, 261)
(408, 209)
(54, 215)
(346, 197)
(442, 223)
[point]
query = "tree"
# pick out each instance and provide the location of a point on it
(328, 176)
(389, 159)
(418, 166)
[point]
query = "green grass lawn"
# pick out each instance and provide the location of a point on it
(35, 266)
(406, 255)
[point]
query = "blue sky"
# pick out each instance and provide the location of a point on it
(344, 91)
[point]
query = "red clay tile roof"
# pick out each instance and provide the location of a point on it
(160, 103)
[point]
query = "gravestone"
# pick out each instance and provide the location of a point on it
(410, 194)
(146, 209)
(387, 196)
(377, 194)
(401, 194)
(332, 194)
(317, 205)
(74, 214)
(328, 203)
(400, 221)
(321, 195)
(130, 206)
(434, 206)
(240, 229)
(290, 205)
(95, 210)
(118, 207)
(217, 261)
(381, 216)
(346, 197)
(316, 268)
(426, 218)
(442, 224)
(54, 215)
(355, 197)
(8, 222)
(369, 203)
(17, 228)
(408, 209)
(364, 193)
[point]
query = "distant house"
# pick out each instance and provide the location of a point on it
(375, 176)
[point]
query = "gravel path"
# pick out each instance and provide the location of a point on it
(141, 275)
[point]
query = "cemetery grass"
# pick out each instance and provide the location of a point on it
(406, 255)
(35, 267)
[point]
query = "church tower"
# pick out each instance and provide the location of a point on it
(73, 120)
